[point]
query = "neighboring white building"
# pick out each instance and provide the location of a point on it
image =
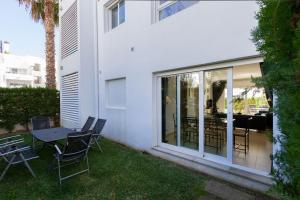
(22, 71)
(170, 76)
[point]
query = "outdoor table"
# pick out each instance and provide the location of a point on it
(51, 135)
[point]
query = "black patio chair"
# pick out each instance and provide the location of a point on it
(13, 151)
(39, 123)
(73, 152)
(96, 133)
(86, 127)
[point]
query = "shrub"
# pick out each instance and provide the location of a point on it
(18, 105)
(278, 39)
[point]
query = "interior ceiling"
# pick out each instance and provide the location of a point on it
(240, 72)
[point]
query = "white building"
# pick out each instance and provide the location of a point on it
(22, 71)
(171, 77)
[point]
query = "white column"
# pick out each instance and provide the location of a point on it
(229, 114)
(178, 109)
(201, 113)
(157, 115)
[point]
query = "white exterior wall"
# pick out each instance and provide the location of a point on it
(206, 32)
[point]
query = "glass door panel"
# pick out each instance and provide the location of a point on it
(253, 119)
(180, 110)
(215, 112)
(189, 110)
(169, 109)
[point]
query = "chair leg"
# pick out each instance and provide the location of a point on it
(59, 173)
(248, 142)
(6, 168)
(27, 165)
(87, 164)
(245, 141)
(33, 143)
(98, 145)
(52, 165)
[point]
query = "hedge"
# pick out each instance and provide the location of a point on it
(277, 37)
(18, 105)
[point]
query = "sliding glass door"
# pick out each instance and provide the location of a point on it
(218, 114)
(196, 111)
(180, 110)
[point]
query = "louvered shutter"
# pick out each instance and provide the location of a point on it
(69, 32)
(70, 99)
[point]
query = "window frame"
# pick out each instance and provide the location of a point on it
(158, 7)
(108, 19)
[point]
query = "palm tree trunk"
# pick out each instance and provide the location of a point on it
(50, 43)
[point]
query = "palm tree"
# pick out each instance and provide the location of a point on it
(46, 11)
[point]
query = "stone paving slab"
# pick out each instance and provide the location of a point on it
(208, 197)
(226, 192)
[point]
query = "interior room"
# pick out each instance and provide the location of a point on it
(253, 119)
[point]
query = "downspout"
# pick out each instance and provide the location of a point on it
(97, 62)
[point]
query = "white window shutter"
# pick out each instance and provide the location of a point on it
(70, 99)
(69, 32)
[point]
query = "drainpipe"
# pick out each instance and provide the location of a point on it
(97, 60)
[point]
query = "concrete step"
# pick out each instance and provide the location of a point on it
(241, 178)
(209, 197)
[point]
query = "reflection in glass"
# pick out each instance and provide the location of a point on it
(114, 17)
(181, 92)
(215, 112)
(189, 110)
(175, 7)
(121, 12)
(169, 113)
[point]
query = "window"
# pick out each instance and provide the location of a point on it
(37, 80)
(37, 67)
(168, 8)
(116, 93)
(14, 70)
(116, 14)
(18, 71)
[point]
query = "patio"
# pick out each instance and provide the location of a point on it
(117, 173)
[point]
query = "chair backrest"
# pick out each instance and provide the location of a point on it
(77, 145)
(86, 127)
(99, 126)
(40, 123)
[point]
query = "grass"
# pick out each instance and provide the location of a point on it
(117, 173)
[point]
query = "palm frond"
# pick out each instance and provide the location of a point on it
(36, 9)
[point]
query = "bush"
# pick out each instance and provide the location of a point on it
(278, 39)
(18, 105)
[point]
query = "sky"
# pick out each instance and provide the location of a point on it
(26, 37)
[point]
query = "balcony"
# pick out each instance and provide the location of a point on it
(15, 76)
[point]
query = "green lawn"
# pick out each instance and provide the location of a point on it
(117, 173)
